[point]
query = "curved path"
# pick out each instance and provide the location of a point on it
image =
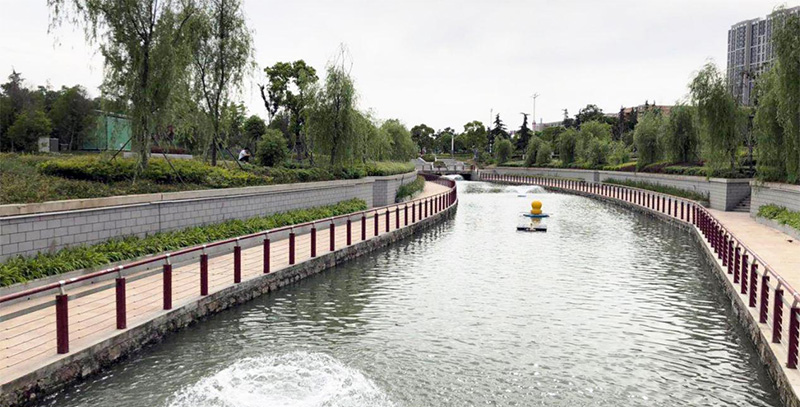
(28, 328)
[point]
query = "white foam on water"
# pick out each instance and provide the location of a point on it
(298, 379)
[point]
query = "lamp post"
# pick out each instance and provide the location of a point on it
(534, 96)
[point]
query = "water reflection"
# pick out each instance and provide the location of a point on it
(608, 308)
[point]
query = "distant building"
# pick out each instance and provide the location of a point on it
(750, 54)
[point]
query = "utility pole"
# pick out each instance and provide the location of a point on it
(534, 96)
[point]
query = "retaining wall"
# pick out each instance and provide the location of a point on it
(29, 229)
(785, 195)
(724, 194)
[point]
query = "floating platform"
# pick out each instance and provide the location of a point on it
(539, 216)
(525, 227)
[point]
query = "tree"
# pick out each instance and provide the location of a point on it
(71, 116)
(568, 122)
(777, 119)
(503, 150)
(29, 126)
(592, 143)
(423, 136)
(680, 136)
(402, 147)
(523, 134)
(272, 149)
(532, 151)
(290, 89)
(254, 128)
(551, 134)
(717, 114)
(444, 140)
(221, 51)
(333, 115)
(498, 132)
(544, 154)
(588, 114)
(142, 42)
(566, 146)
(475, 138)
(646, 138)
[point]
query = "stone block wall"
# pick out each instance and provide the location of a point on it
(784, 195)
(49, 231)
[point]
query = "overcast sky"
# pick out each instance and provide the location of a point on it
(445, 63)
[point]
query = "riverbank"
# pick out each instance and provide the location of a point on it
(759, 286)
(32, 368)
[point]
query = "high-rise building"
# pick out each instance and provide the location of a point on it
(750, 54)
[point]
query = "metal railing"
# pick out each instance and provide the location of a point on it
(761, 289)
(403, 213)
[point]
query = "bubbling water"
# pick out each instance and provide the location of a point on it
(298, 379)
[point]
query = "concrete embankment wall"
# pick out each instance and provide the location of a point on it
(90, 361)
(724, 194)
(31, 228)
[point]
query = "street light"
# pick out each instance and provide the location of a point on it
(534, 96)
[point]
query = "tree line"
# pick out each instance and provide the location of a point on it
(176, 69)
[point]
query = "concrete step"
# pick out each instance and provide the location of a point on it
(743, 206)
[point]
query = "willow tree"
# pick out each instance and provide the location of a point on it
(333, 117)
(221, 54)
(143, 44)
(777, 120)
(718, 115)
(680, 135)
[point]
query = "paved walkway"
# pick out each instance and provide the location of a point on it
(28, 341)
(779, 250)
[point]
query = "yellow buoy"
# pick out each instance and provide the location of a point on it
(536, 208)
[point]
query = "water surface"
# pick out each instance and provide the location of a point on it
(608, 308)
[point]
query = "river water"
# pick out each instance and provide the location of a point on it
(608, 308)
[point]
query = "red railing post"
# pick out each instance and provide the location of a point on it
(683, 208)
(204, 272)
(349, 231)
(753, 284)
(375, 222)
(332, 231)
(167, 272)
(237, 263)
(794, 331)
(266, 253)
(363, 226)
(397, 217)
(62, 321)
(764, 309)
(427, 201)
(122, 317)
(736, 260)
(406, 213)
(313, 240)
(777, 316)
(387, 219)
(744, 274)
(291, 246)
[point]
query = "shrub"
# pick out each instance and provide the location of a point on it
(271, 150)
(384, 168)
(21, 269)
(410, 189)
(781, 215)
(503, 150)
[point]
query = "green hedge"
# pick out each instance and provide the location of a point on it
(100, 169)
(781, 215)
(20, 269)
(410, 189)
(384, 168)
(695, 196)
